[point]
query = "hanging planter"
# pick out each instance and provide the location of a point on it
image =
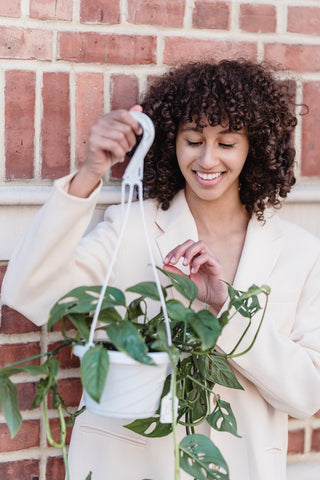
(132, 389)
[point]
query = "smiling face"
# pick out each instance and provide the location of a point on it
(211, 159)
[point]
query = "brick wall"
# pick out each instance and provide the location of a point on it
(62, 64)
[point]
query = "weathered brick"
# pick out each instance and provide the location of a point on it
(310, 164)
(100, 11)
(211, 14)
(124, 91)
(27, 437)
(13, 322)
(55, 469)
(296, 442)
(25, 44)
(65, 356)
(156, 12)
(131, 49)
(26, 394)
(87, 47)
(70, 390)
(179, 50)
(89, 107)
(315, 440)
(304, 20)
(299, 58)
(19, 122)
(14, 352)
(20, 470)
(55, 432)
(10, 9)
(51, 9)
(258, 18)
(55, 128)
(3, 269)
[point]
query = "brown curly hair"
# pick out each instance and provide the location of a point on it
(244, 95)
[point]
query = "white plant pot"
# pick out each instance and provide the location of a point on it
(132, 389)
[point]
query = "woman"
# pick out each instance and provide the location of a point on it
(221, 159)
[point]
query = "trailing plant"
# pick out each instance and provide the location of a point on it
(197, 365)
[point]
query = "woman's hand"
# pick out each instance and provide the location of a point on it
(110, 138)
(205, 271)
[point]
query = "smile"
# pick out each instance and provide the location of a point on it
(208, 176)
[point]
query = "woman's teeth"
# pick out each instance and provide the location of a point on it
(208, 176)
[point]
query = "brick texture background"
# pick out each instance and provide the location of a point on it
(62, 64)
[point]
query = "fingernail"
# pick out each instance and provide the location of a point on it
(185, 261)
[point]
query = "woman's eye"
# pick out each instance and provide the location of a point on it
(226, 145)
(193, 144)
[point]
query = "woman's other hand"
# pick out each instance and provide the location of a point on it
(205, 271)
(110, 138)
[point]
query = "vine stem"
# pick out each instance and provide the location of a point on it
(63, 434)
(174, 424)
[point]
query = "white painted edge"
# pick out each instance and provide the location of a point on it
(37, 195)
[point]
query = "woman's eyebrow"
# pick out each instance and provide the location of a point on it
(188, 128)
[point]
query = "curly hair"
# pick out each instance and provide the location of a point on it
(240, 93)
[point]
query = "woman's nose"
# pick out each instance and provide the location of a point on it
(209, 157)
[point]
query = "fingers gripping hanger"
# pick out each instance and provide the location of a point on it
(133, 178)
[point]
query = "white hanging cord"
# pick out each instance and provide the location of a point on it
(133, 177)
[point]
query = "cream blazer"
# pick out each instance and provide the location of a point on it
(280, 375)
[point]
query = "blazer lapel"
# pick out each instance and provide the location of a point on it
(261, 250)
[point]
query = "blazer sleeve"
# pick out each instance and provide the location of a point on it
(52, 257)
(285, 365)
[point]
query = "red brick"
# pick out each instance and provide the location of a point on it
(20, 470)
(26, 395)
(55, 469)
(65, 356)
(89, 107)
(25, 44)
(55, 431)
(124, 91)
(14, 352)
(296, 442)
(179, 50)
(317, 415)
(19, 122)
(315, 441)
(258, 18)
(131, 49)
(13, 322)
(55, 128)
(299, 58)
(10, 9)
(156, 12)
(51, 9)
(100, 11)
(87, 47)
(213, 15)
(3, 269)
(304, 20)
(27, 437)
(70, 390)
(310, 130)
(57, 327)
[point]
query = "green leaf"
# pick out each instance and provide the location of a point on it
(9, 405)
(147, 289)
(150, 427)
(110, 315)
(207, 327)
(94, 370)
(177, 311)
(198, 456)
(182, 284)
(223, 419)
(126, 338)
(81, 324)
(84, 300)
(217, 370)
(89, 477)
(134, 309)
